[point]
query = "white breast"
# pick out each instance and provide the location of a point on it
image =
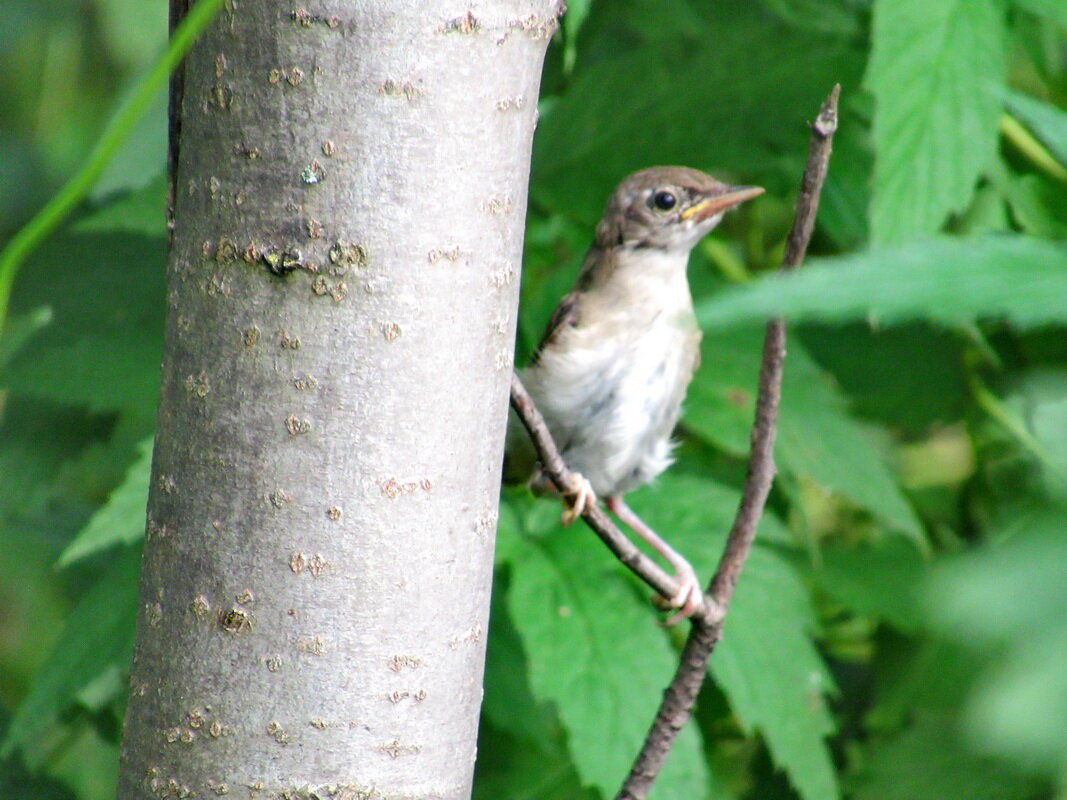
(611, 388)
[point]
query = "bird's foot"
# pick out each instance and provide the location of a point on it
(689, 598)
(578, 501)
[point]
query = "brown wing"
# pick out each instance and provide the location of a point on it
(565, 316)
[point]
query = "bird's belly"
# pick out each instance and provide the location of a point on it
(614, 405)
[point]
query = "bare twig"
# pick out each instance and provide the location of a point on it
(678, 699)
(597, 519)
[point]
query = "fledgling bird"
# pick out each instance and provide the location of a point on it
(614, 364)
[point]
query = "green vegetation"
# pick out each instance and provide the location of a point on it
(900, 632)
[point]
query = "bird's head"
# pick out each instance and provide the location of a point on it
(668, 207)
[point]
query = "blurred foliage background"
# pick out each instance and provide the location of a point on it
(900, 632)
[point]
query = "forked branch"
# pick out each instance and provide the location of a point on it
(706, 630)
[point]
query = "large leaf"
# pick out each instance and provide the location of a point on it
(935, 71)
(710, 95)
(817, 438)
(766, 662)
(944, 280)
(95, 646)
(595, 651)
(121, 519)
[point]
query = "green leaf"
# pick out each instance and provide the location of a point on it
(596, 652)
(1045, 121)
(141, 211)
(722, 101)
(766, 662)
(929, 761)
(935, 71)
(1054, 10)
(1011, 599)
(105, 353)
(98, 638)
(943, 280)
(20, 329)
(102, 373)
(816, 438)
(121, 519)
(825, 16)
(881, 579)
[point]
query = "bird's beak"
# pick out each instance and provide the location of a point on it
(715, 205)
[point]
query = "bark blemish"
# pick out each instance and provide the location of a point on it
(287, 342)
(250, 336)
(283, 262)
(437, 254)
(333, 513)
(279, 498)
(329, 148)
(200, 606)
(277, 733)
(398, 696)
(297, 425)
(307, 383)
(235, 620)
(323, 288)
(516, 102)
(198, 385)
(226, 252)
(399, 663)
(467, 24)
(407, 89)
(395, 749)
(390, 331)
(246, 150)
(497, 205)
(344, 254)
(313, 173)
(314, 228)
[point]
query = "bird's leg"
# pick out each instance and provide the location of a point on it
(579, 500)
(689, 596)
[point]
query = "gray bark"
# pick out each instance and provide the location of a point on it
(349, 201)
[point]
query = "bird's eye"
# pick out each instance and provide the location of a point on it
(664, 201)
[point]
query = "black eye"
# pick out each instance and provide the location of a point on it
(664, 201)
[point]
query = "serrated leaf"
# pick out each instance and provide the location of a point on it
(766, 662)
(121, 519)
(97, 638)
(936, 70)
(942, 280)
(596, 653)
(817, 438)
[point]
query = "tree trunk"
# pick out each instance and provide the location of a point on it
(349, 200)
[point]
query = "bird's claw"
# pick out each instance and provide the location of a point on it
(578, 501)
(688, 599)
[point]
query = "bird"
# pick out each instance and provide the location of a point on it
(611, 371)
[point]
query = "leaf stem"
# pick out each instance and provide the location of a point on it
(1028, 145)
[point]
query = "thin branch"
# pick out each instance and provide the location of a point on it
(706, 630)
